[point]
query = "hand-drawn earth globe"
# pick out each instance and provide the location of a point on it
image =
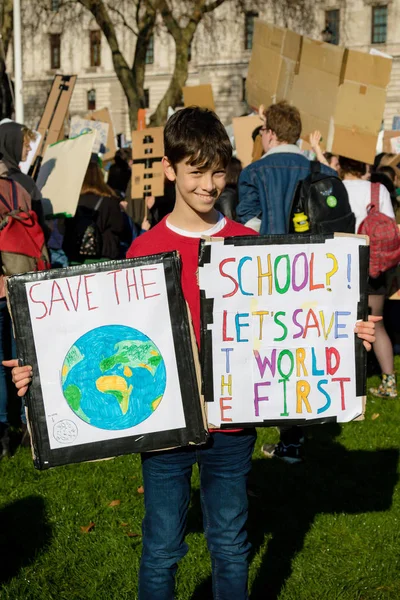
(113, 377)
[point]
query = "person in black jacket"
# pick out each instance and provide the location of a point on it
(228, 200)
(108, 217)
(120, 171)
(15, 143)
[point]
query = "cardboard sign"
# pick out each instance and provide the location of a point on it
(108, 379)
(147, 172)
(243, 127)
(79, 126)
(199, 95)
(52, 122)
(278, 317)
(62, 173)
(103, 115)
(388, 135)
(341, 92)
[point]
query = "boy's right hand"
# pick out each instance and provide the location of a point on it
(21, 376)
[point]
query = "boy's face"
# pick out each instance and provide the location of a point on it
(199, 188)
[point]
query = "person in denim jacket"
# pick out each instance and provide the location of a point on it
(267, 186)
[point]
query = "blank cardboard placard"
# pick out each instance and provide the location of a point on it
(243, 127)
(103, 115)
(79, 126)
(63, 171)
(278, 317)
(120, 375)
(199, 95)
(55, 111)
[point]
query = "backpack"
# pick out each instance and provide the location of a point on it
(324, 199)
(384, 237)
(82, 238)
(22, 243)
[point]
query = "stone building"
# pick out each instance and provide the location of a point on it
(220, 55)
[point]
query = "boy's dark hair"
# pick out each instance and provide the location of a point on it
(284, 120)
(197, 135)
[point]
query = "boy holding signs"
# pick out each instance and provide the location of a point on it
(197, 151)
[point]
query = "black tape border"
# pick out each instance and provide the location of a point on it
(193, 433)
(360, 359)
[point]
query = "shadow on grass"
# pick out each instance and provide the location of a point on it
(24, 532)
(285, 499)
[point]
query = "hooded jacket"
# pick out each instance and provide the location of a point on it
(11, 144)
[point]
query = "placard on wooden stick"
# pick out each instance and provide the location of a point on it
(114, 369)
(147, 171)
(52, 122)
(103, 115)
(278, 317)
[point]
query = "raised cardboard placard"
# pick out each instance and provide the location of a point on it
(199, 95)
(148, 143)
(243, 127)
(103, 115)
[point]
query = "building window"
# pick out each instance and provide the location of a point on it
(91, 99)
(249, 29)
(149, 58)
(244, 99)
(54, 5)
(55, 51)
(379, 24)
(146, 98)
(332, 25)
(95, 48)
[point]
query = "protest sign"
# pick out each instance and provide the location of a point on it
(51, 126)
(112, 355)
(79, 126)
(103, 115)
(278, 314)
(243, 127)
(347, 87)
(199, 95)
(62, 173)
(147, 172)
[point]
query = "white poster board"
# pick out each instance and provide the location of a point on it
(280, 320)
(62, 173)
(79, 126)
(113, 355)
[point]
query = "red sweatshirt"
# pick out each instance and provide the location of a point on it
(162, 239)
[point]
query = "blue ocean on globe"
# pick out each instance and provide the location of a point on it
(113, 377)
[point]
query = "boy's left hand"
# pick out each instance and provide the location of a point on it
(365, 330)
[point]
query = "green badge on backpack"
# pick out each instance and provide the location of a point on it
(331, 201)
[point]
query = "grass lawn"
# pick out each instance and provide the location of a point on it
(326, 529)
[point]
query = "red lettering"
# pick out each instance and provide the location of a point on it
(312, 285)
(89, 293)
(38, 301)
(311, 315)
(129, 285)
(341, 381)
(224, 326)
(329, 354)
(76, 303)
(223, 408)
(53, 300)
(236, 284)
(147, 283)
(114, 273)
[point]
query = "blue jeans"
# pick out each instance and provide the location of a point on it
(7, 350)
(224, 465)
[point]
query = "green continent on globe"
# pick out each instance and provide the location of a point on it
(73, 357)
(133, 353)
(73, 396)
